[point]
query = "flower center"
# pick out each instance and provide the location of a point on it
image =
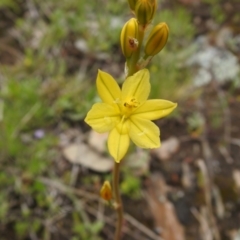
(129, 106)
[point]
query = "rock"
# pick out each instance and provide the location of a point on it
(83, 155)
(167, 149)
(212, 63)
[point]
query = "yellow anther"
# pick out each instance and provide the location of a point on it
(132, 103)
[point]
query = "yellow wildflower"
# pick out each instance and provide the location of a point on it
(127, 113)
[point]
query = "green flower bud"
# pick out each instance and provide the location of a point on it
(145, 10)
(132, 4)
(157, 39)
(128, 38)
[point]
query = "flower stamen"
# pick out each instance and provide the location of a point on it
(133, 103)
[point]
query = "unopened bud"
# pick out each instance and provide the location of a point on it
(157, 39)
(106, 191)
(145, 10)
(128, 38)
(132, 4)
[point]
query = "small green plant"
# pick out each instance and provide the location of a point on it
(217, 10)
(131, 186)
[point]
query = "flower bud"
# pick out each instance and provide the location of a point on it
(157, 39)
(132, 4)
(128, 38)
(106, 191)
(145, 10)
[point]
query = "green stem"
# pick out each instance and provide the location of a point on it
(132, 61)
(118, 201)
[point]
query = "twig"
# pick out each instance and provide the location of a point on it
(226, 122)
(235, 141)
(91, 196)
(150, 234)
(74, 173)
(207, 185)
(226, 115)
(58, 216)
(203, 220)
(141, 227)
(33, 236)
(223, 150)
(27, 117)
(66, 189)
(4, 46)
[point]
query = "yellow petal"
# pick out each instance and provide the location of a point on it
(108, 88)
(118, 144)
(154, 109)
(137, 86)
(123, 127)
(144, 133)
(102, 117)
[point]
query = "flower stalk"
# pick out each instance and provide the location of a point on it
(132, 62)
(118, 201)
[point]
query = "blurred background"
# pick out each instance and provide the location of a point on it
(52, 165)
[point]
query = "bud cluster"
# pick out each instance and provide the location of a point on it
(133, 31)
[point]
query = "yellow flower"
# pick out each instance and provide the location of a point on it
(127, 113)
(106, 191)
